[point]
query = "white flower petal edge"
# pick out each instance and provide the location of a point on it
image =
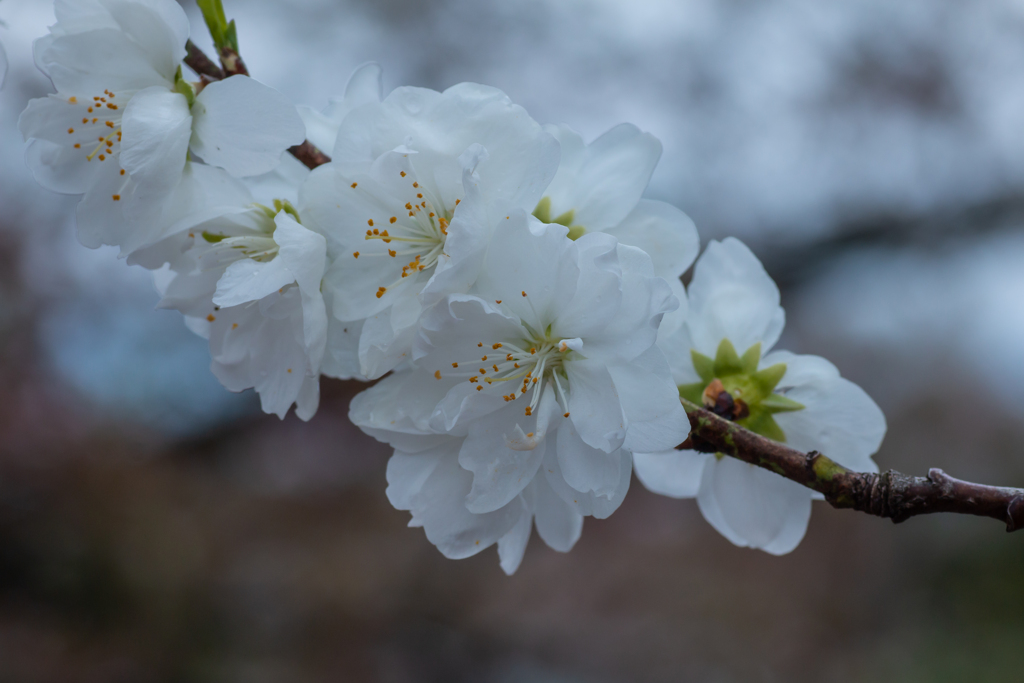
(365, 86)
(244, 126)
(425, 478)
(809, 406)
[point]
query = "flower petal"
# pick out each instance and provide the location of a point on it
(839, 420)
(244, 126)
(86, 64)
(655, 420)
(589, 503)
(732, 297)
(437, 502)
(524, 158)
(512, 546)
(671, 473)
(604, 182)
(594, 406)
(501, 472)
(753, 507)
(154, 146)
(558, 524)
(667, 235)
(586, 469)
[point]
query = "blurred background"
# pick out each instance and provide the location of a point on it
(154, 527)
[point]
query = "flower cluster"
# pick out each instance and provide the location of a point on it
(520, 299)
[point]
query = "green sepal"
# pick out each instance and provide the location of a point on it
(543, 210)
(727, 361)
(694, 393)
(566, 218)
(761, 422)
(184, 87)
(576, 232)
(751, 357)
(766, 380)
(286, 206)
(704, 366)
(231, 36)
(213, 238)
(777, 403)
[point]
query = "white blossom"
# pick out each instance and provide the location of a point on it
(733, 321)
(249, 281)
(598, 188)
(123, 122)
(541, 380)
(389, 206)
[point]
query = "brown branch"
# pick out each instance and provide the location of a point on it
(201, 64)
(308, 154)
(197, 60)
(890, 494)
(232, 62)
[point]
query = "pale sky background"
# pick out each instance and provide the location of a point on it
(784, 123)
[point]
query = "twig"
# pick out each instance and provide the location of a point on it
(201, 64)
(197, 60)
(890, 494)
(232, 62)
(308, 154)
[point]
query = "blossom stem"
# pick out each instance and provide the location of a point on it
(891, 494)
(197, 60)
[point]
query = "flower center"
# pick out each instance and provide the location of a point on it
(100, 123)
(420, 232)
(543, 214)
(225, 248)
(732, 386)
(522, 367)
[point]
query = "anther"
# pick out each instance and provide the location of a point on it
(455, 365)
(416, 185)
(484, 359)
(211, 317)
(393, 253)
(403, 174)
(565, 415)
(117, 197)
(437, 374)
(529, 411)
(354, 185)
(496, 346)
(393, 219)
(70, 131)
(370, 222)
(355, 254)
(497, 301)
